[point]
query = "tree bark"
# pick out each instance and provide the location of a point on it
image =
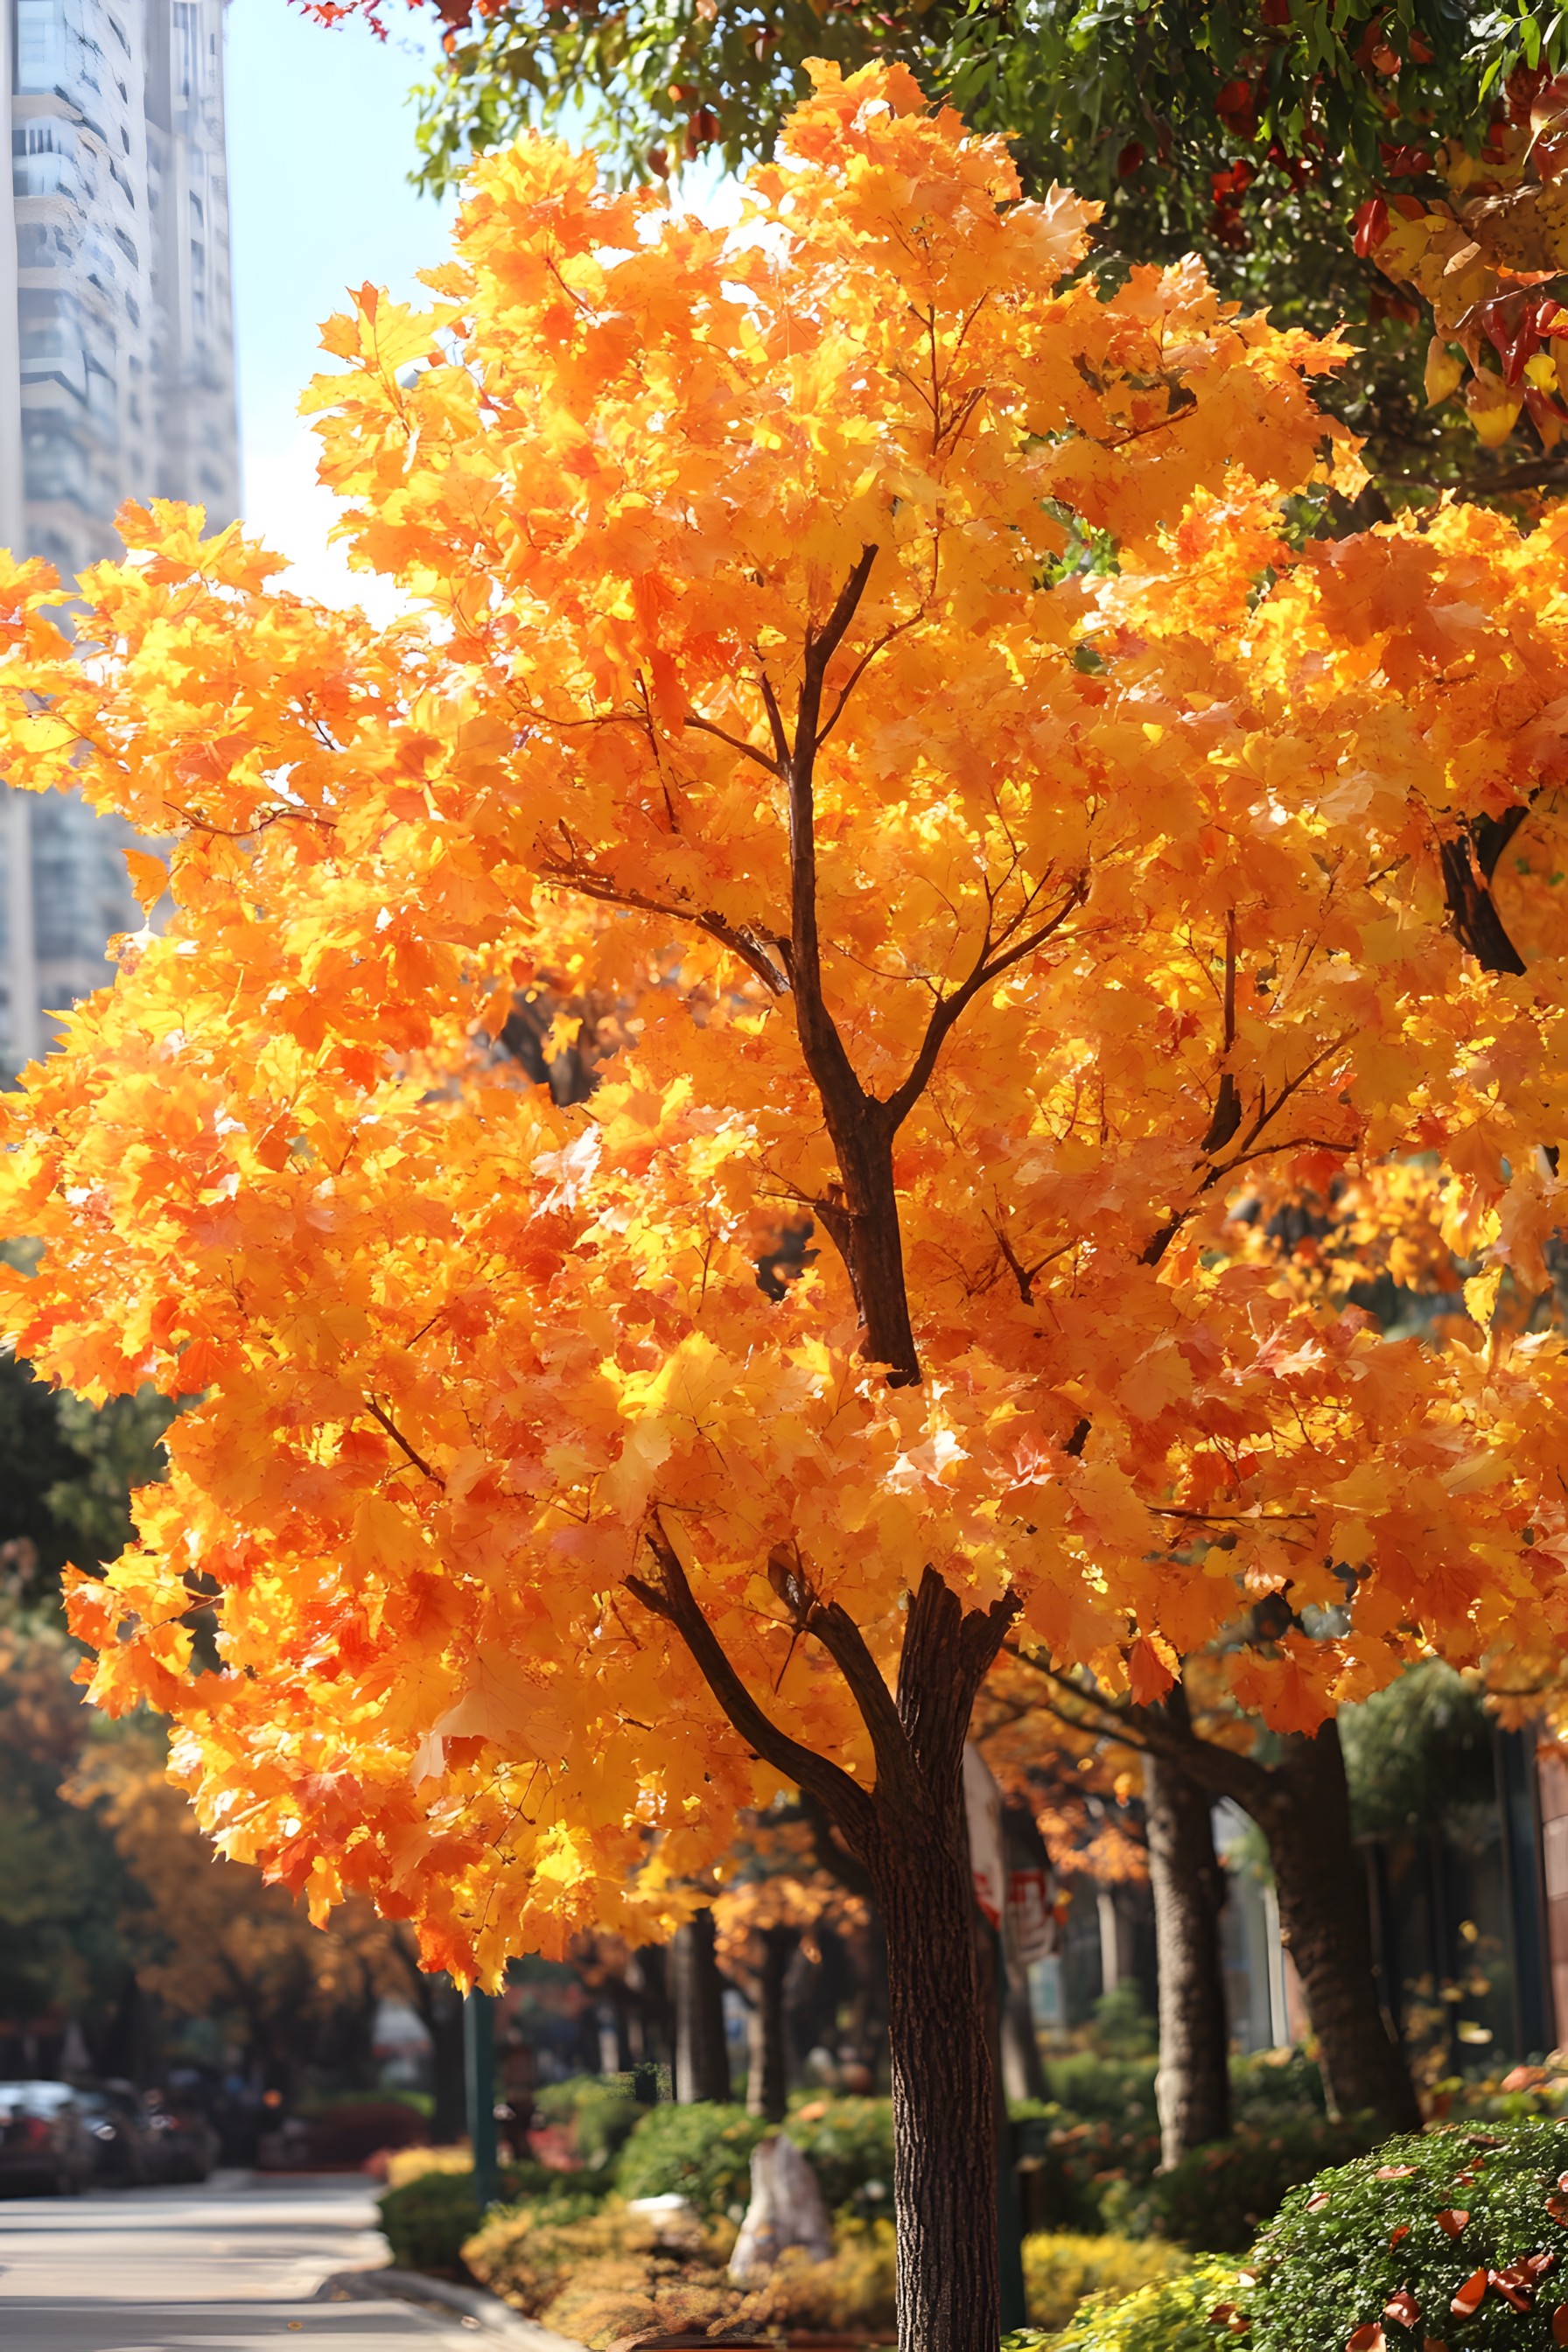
(944, 2153)
(701, 2052)
(1324, 1924)
(910, 1834)
(767, 2083)
(1192, 2087)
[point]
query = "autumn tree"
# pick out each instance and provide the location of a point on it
(1002, 912)
(777, 1899)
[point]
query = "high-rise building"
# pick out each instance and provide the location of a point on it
(116, 382)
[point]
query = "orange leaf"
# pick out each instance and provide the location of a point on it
(1471, 2296)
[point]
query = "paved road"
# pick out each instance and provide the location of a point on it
(227, 2267)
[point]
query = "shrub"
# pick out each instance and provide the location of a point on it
(850, 2145)
(430, 2210)
(612, 2272)
(1217, 2199)
(851, 2294)
(1078, 2162)
(526, 2254)
(599, 2111)
(406, 2164)
(1171, 2316)
(1267, 2084)
(1060, 2271)
(425, 2222)
(1421, 2218)
(703, 2151)
(1104, 2090)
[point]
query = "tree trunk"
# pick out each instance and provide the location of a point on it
(944, 2153)
(767, 2083)
(1192, 2088)
(1323, 1920)
(701, 2052)
(909, 1833)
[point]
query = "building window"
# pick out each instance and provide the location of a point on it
(54, 462)
(187, 51)
(40, 44)
(41, 157)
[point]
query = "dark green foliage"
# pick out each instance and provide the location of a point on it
(66, 1473)
(1322, 2274)
(1218, 2197)
(1077, 80)
(1418, 1752)
(704, 2152)
(850, 2145)
(1095, 2148)
(602, 2112)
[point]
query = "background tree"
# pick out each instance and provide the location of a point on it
(751, 669)
(214, 1940)
(777, 1902)
(1268, 136)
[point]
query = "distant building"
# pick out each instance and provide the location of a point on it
(116, 382)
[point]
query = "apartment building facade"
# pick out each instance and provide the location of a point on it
(116, 382)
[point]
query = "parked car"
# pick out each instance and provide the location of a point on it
(126, 2144)
(188, 2147)
(45, 2140)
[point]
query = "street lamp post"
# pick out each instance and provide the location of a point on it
(479, 2055)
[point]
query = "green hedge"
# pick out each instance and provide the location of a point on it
(1358, 2237)
(704, 2152)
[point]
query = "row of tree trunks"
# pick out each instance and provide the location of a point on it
(1302, 1803)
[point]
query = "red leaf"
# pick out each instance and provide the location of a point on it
(1452, 2220)
(1402, 2231)
(1471, 2295)
(1316, 2204)
(1370, 2338)
(1560, 2324)
(1395, 2171)
(1513, 2285)
(1402, 2305)
(1371, 223)
(1558, 2209)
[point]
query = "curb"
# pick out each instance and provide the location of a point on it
(469, 2303)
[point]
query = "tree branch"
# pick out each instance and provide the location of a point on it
(747, 751)
(948, 1009)
(839, 1635)
(842, 1798)
(398, 1439)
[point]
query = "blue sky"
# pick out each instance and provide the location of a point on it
(320, 138)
